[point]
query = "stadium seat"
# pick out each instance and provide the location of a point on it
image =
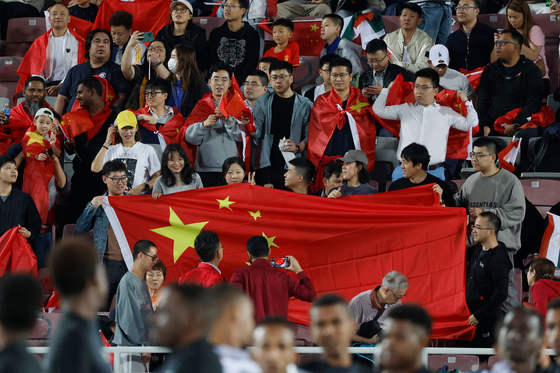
(306, 73)
(466, 172)
(374, 184)
(541, 175)
(3, 101)
(551, 29)
(8, 76)
(542, 193)
(70, 230)
(387, 185)
(25, 30)
(386, 150)
(555, 105)
(208, 23)
(518, 279)
(305, 359)
(464, 363)
(391, 23)
(459, 183)
(16, 49)
(493, 20)
(45, 326)
(492, 360)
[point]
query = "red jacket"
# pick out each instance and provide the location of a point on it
(542, 292)
(204, 274)
(271, 288)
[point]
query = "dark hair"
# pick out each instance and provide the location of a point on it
(35, 78)
(327, 58)
(332, 168)
(493, 220)
(476, 4)
(159, 83)
(146, 64)
(412, 7)
(284, 22)
(304, 167)
(159, 265)
(137, 135)
(414, 313)
(488, 143)
(341, 61)
(336, 19)
(230, 162)
(206, 245)
(121, 18)
(528, 312)
(269, 60)
(198, 301)
(219, 66)
(262, 76)
(113, 166)
(187, 173)
(257, 246)
(428, 73)
(516, 36)
(282, 65)
(20, 298)
(417, 154)
(4, 159)
(226, 295)
(276, 321)
(57, 116)
(72, 263)
(243, 4)
(92, 83)
(544, 268)
(187, 68)
(363, 173)
(376, 45)
(90, 36)
(142, 246)
(331, 300)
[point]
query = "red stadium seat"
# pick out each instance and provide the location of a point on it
(8, 76)
(493, 20)
(307, 72)
(459, 183)
(208, 23)
(374, 184)
(542, 193)
(492, 360)
(16, 49)
(391, 23)
(465, 363)
(25, 30)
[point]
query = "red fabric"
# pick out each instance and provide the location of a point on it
(325, 117)
(80, 26)
(149, 15)
(202, 110)
(16, 254)
(271, 288)
(541, 119)
(323, 162)
(20, 121)
(75, 123)
(34, 61)
(473, 76)
(289, 54)
(53, 303)
(542, 292)
(307, 34)
(204, 275)
(502, 163)
(170, 131)
(109, 96)
(317, 231)
(5, 143)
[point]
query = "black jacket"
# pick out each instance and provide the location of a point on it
(472, 52)
(487, 282)
(500, 92)
(195, 37)
(391, 73)
(197, 88)
(197, 357)
(19, 209)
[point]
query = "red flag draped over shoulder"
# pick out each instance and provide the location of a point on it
(313, 229)
(16, 254)
(541, 119)
(149, 15)
(34, 61)
(20, 121)
(108, 94)
(170, 131)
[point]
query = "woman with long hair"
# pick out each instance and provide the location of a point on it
(544, 287)
(176, 173)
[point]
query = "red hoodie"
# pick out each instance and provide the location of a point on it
(542, 292)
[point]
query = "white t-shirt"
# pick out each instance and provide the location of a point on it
(405, 55)
(456, 81)
(58, 70)
(141, 162)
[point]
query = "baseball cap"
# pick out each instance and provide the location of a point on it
(46, 112)
(439, 55)
(183, 2)
(353, 156)
(126, 118)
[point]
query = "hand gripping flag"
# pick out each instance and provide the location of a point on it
(16, 254)
(542, 119)
(508, 156)
(169, 132)
(20, 121)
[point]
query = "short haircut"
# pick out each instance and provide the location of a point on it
(363, 173)
(284, 22)
(428, 73)
(159, 83)
(412, 7)
(121, 18)
(417, 154)
(262, 76)
(528, 312)
(90, 36)
(333, 168)
(276, 321)
(281, 65)
(476, 3)
(493, 220)
(488, 143)
(332, 300)
(199, 303)
(113, 166)
(243, 4)
(304, 167)
(92, 82)
(20, 298)
(413, 313)
(231, 161)
(5, 159)
(394, 281)
(376, 45)
(269, 60)
(206, 245)
(327, 58)
(341, 61)
(159, 265)
(257, 246)
(226, 295)
(336, 19)
(219, 66)
(554, 304)
(73, 263)
(35, 78)
(142, 246)
(515, 36)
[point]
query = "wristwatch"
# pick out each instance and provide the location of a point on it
(157, 64)
(516, 126)
(146, 186)
(298, 149)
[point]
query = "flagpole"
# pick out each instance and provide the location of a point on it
(68, 139)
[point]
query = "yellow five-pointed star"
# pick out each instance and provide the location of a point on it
(314, 27)
(109, 97)
(255, 215)
(183, 235)
(359, 105)
(28, 155)
(35, 137)
(270, 240)
(225, 203)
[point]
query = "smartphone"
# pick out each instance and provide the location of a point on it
(148, 37)
(282, 262)
(500, 30)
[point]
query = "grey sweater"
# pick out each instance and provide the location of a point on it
(160, 186)
(502, 194)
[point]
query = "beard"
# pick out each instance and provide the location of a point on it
(33, 107)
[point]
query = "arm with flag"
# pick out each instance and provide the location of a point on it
(542, 119)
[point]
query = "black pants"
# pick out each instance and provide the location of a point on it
(116, 269)
(14, 10)
(211, 179)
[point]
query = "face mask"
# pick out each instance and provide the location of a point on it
(172, 64)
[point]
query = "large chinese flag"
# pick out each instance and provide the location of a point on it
(307, 34)
(345, 246)
(16, 254)
(149, 15)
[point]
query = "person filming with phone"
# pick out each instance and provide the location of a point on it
(268, 285)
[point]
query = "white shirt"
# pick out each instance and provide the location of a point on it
(319, 90)
(62, 55)
(141, 162)
(236, 360)
(57, 61)
(405, 55)
(428, 126)
(362, 309)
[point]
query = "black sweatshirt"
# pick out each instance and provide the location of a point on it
(195, 37)
(487, 282)
(19, 209)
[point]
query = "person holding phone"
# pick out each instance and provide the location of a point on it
(121, 26)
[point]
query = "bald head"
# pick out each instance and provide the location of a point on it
(59, 17)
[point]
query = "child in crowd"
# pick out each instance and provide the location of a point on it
(264, 65)
(84, 10)
(331, 27)
(176, 173)
(282, 31)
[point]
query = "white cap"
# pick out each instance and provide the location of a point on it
(439, 55)
(183, 2)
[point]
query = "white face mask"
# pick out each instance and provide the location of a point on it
(172, 65)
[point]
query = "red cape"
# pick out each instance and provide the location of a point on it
(170, 131)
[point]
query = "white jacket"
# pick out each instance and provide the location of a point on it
(418, 49)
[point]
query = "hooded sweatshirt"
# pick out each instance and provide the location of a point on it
(542, 292)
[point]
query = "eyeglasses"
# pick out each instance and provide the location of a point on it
(217, 80)
(179, 10)
(479, 155)
(152, 93)
(156, 49)
(479, 228)
(501, 43)
(459, 8)
(279, 77)
(423, 88)
(341, 76)
(117, 180)
(230, 6)
(397, 297)
(252, 84)
(376, 62)
(154, 258)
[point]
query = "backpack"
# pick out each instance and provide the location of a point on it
(547, 150)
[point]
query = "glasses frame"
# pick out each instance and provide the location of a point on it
(478, 155)
(154, 258)
(279, 78)
(179, 10)
(121, 179)
(152, 93)
(481, 229)
(502, 43)
(377, 62)
(398, 298)
(464, 7)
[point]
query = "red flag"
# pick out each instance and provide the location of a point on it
(507, 157)
(473, 76)
(169, 131)
(109, 96)
(149, 15)
(80, 26)
(307, 34)
(431, 253)
(541, 119)
(75, 123)
(20, 121)
(16, 254)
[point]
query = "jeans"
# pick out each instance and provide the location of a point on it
(438, 172)
(436, 21)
